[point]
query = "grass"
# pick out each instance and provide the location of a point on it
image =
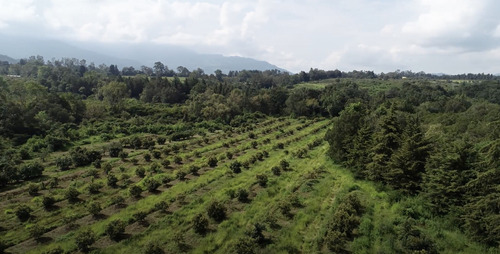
(316, 182)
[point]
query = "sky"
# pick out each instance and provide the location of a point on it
(435, 36)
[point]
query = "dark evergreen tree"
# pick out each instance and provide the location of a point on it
(407, 164)
(449, 168)
(482, 211)
(386, 141)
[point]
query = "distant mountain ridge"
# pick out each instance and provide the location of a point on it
(9, 59)
(125, 55)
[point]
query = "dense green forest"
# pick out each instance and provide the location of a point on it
(94, 159)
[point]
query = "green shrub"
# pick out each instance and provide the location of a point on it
(193, 169)
(140, 172)
(177, 159)
(112, 180)
(235, 167)
(161, 206)
(165, 163)
(94, 208)
(36, 231)
(200, 224)
(115, 229)
(140, 217)
(48, 202)
(123, 155)
(276, 170)
(115, 149)
(135, 191)
(23, 212)
(33, 189)
(261, 179)
(85, 239)
(94, 188)
(71, 195)
(147, 157)
(31, 170)
(153, 248)
(63, 163)
(212, 162)
(216, 211)
(245, 245)
(156, 154)
(242, 195)
(151, 184)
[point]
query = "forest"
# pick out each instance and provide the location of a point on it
(94, 159)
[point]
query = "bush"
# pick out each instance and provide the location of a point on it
(165, 163)
(147, 157)
(72, 195)
(134, 161)
(117, 200)
(177, 159)
(96, 164)
(285, 208)
(235, 167)
(154, 167)
(216, 211)
(23, 212)
(85, 239)
(94, 208)
(63, 163)
(151, 184)
(107, 167)
(140, 217)
(161, 140)
(284, 165)
(242, 195)
(161, 206)
(194, 169)
(254, 144)
(181, 174)
(112, 180)
(261, 179)
(56, 250)
(153, 248)
(31, 170)
(276, 170)
(229, 155)
(115, 149)
(33, 189)
(200, 224)
(156, 154)
(123, 155)
(115, 229)
(36, 231)
(48, 202)
(135, 191)
(140, 172)
(212, 162)
(94, 188)
(245, 245)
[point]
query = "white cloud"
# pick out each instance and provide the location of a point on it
(296, 35)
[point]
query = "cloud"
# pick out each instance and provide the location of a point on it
(296, 35)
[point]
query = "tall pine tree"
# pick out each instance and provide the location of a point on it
(448, 170)
(407, 164)
(482, 211)
(386, 141)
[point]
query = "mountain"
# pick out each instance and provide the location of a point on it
(4, 58)
(128, 54)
